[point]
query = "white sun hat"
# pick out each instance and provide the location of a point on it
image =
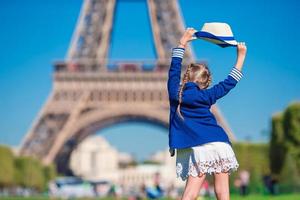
(218, 33)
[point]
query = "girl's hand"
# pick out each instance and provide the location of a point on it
(187, 36)
(241, 54)
(241, 49)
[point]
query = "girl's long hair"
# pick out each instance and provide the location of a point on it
(198, 73)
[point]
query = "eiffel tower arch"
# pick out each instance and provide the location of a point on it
(87, 95)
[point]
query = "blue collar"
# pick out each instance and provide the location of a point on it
(191, 84)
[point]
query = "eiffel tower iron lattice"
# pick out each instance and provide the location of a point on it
(87, 95)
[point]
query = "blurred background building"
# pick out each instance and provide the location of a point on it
(96, 160)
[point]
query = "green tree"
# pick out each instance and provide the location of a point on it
(6, 167)
(49, 174)
(291, 126)
(284, 148)
(289, 176)
(29, 173)
(277, 150)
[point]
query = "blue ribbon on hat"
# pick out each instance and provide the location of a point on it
(203, 34)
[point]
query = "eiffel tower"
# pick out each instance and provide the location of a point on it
(91, 92)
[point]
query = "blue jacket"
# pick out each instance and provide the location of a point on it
(199, 125)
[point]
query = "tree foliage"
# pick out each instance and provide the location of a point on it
(49, 173)
(29, 173)
(23, 171)
(289, 176)
(291, 126)
(6, 166)
(277, 151)
(285, 147)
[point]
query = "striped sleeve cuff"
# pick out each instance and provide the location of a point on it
(236, 74)
(178, 52)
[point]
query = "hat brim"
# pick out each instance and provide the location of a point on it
(223, 41)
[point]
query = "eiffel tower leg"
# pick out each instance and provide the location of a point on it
(44, 130)
(222, 122)
(91, 39)
(167, 28)
(66, 131)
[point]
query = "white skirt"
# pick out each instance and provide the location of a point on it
(207, 158)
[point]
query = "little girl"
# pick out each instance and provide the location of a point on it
(202, 145)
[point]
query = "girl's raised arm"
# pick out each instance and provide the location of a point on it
(174, 73)
(222, 88)
(175, 68)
